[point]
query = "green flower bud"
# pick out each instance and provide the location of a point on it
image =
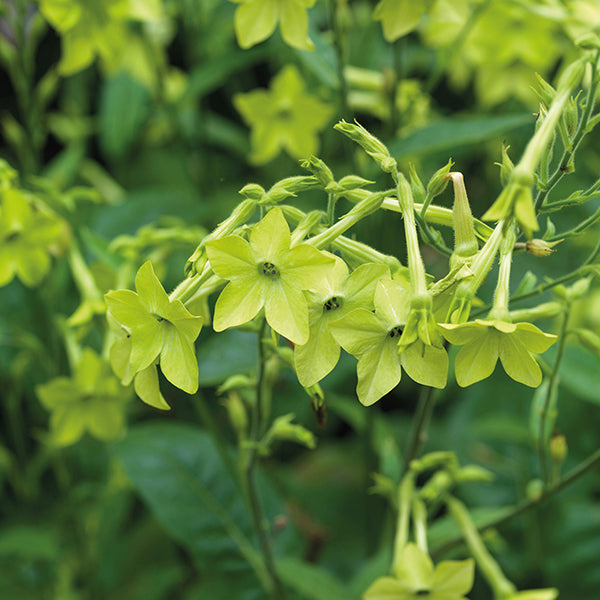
(290, 186)
(416, 185)
(571, 116)
(534, 489)
(253, 191)
(437, 184)
(473, 473)
(589, 340)
(434, 460)
(546, 93)
(558, 449)
(319, 169)
(236, 382)
(547, 310)
(540, 248)
(588, 41)
(369, 143)
(465, 242)
(353, 182)
(236, 411)
(283, 429)
(572, 75)
(506, 166)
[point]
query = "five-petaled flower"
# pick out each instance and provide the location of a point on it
(486, 341)
(417, 578)
(152, 329)
(267, 273)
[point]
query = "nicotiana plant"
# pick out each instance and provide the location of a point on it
(308, 289)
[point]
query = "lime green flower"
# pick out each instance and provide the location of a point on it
(284, 117)
(27, 236)
(484, 342)
(398, 17)
(92, 400)
(267, 273)
(97, 28)
(416, 577)
(153, 329)
(255, 21)
(341, 294)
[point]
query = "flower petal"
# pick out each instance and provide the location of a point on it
(306, 266)
(477, 359)
(146, 387)
(425, 364)
(391, 301)
(518, 362)
(270, 237)
(359, 288)
(534, 339)
(178, 361)
(294, 25)
(459, 334)
(255, 21)
(238, 303)
(359, 331)
(318, 356)
(150, 290)
(388, 588)
(454, 577)
(415, 568)
(286, 311)
(231, 257)
(378, 371)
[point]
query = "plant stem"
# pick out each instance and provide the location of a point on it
(418, 433)
(257, 427)
(569, 151)
(573, 475)
(419, 515)
(405, 496)
(501, 586)
(550, 392)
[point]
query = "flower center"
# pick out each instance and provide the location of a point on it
(268, 269)
(12, 236)
(394, 333)
(333, 303)
(422, 592)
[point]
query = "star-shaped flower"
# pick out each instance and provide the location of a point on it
(267, 273)
(154, 329)
(255, 21)
(27, 236)
(284, 117)
(340, 294)
(416, 577)
(486, 341)
(92, 400)
(372, 337)
(90, 29)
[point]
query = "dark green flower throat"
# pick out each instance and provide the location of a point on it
(268, 269)
(333, 303)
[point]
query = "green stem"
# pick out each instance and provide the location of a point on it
(418, 433)
(502, 293)
(415, 262)
(338, 43)
(419, 514)
(591, 462)
(257, 427)
(550, 392)
(570, 150)
(405, 496)
(500, 585)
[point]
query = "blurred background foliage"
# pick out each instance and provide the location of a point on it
(133, 125)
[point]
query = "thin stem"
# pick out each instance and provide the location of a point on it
(591, 462)
(256, 429)
(570, 150)
(501, 586)
(340, 53)
(551, 391)
(419, 514)
(405, 496)
(418, 432)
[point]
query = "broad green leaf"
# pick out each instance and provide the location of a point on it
(450, 134)
(124, 108)
(311, 581)
(183, 479)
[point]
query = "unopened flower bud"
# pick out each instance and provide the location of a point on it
(588, 41)
(589, 340)
(571, 116)
(253, 191)
(546, 310)
(369, 143)
(290, 186)
(572, 75)
(284, 429)
(319, 169)
(506, 166)
(353, 182)
(540, 248)
(236, 411)
(437, 184)
(416, 185)
(545, 91)
(558, 449)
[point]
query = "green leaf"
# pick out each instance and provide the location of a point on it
(124, 108)
(183, 479)
(450, 134)
(312, 581)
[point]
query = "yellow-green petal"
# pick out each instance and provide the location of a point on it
(238, 303)
(255, 21)
(178, 361)
(286, 311)
(378, 371)
(427, 365)
(231, 257)
(294, 25)
(270, 237)
(518, 362)
(146, 387)
(477, 359)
